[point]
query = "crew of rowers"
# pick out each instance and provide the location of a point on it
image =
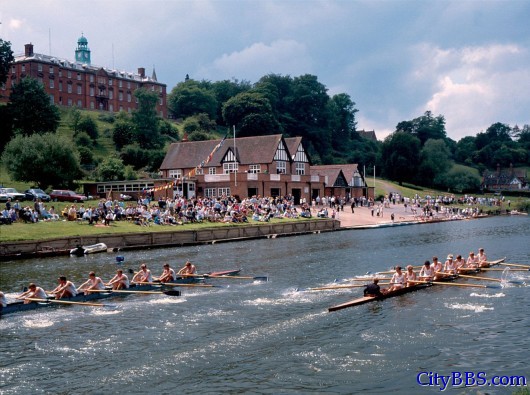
(67, 289)
(434, 271)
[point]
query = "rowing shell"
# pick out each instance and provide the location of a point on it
(367, 299)
(15, 307)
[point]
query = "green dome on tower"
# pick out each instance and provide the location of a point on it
(82, 40)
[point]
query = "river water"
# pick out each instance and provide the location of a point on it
(269, 337)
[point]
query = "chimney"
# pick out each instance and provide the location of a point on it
(28, 50)
(141, 72)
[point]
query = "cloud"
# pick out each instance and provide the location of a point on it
(474, 87)
(286, 57)
(15, 24)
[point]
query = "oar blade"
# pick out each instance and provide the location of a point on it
(171, 292)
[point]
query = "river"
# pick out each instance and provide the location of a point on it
(269, 337)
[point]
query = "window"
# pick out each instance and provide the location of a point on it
(60, 73)
(300, 168)
(52, 84)
(60, 86)
(230, 167)
(223, 191)
(13, 70)
(111, 94)
(41, 81)
(254, 169)
(161, 90)
(161, 101)
(23, 68)
(110, 81)
(129, 97)
(79, 90)
(121, 108)
(91, 91)
(79, 76)
(51, 69)
(69, 74)
(92, 105)
(128, 85)
(175, 174)
(91, 78)
(120, 83)
(51, 99)
(69, 88)
(120, 96)
(39, 67)
(209, 192)
(111, 108)
(79, 103)
(69, 102)
(281, 167)
(211, 170)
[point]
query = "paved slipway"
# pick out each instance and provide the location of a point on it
(362, 216)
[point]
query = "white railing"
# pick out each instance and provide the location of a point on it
(295, 177)
(252, 176)
(216, 177)
(275, 177)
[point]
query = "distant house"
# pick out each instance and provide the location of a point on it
(505, 180)
(343, 180)
(368, 134)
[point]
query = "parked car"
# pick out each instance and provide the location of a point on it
(3, 196)
(13, 194)
(61, 195)
(35, 193)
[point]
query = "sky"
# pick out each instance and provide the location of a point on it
(466, 60)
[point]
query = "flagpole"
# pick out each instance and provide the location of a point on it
(235, 157)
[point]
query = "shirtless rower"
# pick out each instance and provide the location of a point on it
(426, 272)
(168, 275)
(93, 282)
(410, 276)
(188, 268)
(398, 280)
(449, 266)
(32, 292)
(143, 276)
(119, 281)
(65, 289)
(482, 259)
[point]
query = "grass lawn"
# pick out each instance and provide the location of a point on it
(56, 229)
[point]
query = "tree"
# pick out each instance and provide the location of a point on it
(188, 98)
(111, 169)
(6, 58)
(223, 91)
(401, 156)
(46, 160)
(434, 161)
(145, 120)
(251, 113)
(31, 109)
(341, 120)
(87, 125)
(73, 118)
(425, 127)
(461, 180)
(123, 133)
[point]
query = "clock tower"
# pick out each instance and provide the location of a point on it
(82, 53)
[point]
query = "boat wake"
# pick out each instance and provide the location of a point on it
(469, 307)
(168, 300)
(497, 295)
(37, 323)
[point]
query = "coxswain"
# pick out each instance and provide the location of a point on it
(93, 282)
(119, 281)
(398, 280)
(449, 266)
(168, 275)
(143, 276)
(373, 289)
(426, 272)
(65, 289)
(410, 276)
(188, 269)
(482, 259)
(32, 292)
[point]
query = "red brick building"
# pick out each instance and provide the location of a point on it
(81, 84)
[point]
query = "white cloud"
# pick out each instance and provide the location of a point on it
(15, 24)
(280, 57)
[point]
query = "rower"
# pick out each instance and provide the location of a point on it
(119, 281)
(32, 292)
(93, 282)
(449, 266)
(188, 268)
(143, 276)
(65, 289)
(472, 260)
(373, 289)
(460, 263)
(3, 300)
(482, 259)
(427, 272)
(410, 276)
(168, 275)
(437, 268)
(398, 280)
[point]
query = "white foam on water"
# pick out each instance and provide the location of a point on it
(168, 300)
(469, 307)
(37, 323)
(102, 312)
(497, 295)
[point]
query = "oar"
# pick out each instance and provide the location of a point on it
(185, 285)
(341, 287)
(496, 269)
(457, 284)
(515, 265)
(125, 291)
(259, 278)
(366, 279)
(65, 302)
(490, 279)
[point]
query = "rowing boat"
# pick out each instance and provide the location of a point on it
(367, 299)
(196, 278)
(90, 249)
(21, 306)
